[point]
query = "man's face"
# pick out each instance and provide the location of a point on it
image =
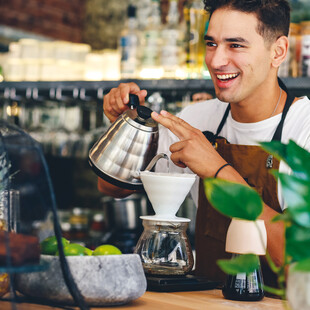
(237, 57)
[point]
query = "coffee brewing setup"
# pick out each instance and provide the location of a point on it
(164, 247)
(124, 156)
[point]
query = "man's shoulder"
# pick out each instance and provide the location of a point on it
(300, 107)
(297, 123)
(303, 99)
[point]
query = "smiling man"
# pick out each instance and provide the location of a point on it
(246, 42)
(243, 56)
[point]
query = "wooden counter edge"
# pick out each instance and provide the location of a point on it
(210, 299)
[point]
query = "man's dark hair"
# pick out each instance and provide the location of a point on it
(273, 15)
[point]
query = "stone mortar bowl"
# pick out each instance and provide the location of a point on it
(103, 280)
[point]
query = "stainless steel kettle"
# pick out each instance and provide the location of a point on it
(127, 147)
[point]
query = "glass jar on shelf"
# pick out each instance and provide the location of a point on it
(294, 49)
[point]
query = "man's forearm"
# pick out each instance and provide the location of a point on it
(275, 235)
(112, 190)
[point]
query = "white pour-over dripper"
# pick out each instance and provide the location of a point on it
(166, 192)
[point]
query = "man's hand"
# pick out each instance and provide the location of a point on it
(115, 102)
(193, 150)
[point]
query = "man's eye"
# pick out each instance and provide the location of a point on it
(210, 44)
(235, 45)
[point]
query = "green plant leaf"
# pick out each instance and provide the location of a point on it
(275, 291)
(297, 242)
(276, 148)
(300, 215)
(271, 264)
(296, 191)
(303, 266)
(233, 199)
(246, 263)
(296, 157)
(284, 217)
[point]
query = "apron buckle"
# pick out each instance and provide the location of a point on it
(269, 162)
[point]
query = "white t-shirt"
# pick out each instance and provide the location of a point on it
(207, 115)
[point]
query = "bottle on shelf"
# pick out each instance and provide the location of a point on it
(151, 45)
(156, 102)
(196, 18)
(129, 46)
(172, 39)
(143, 12)
(305, 49)
(294, 49)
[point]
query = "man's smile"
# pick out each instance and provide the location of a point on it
(227, 77)
(225, 80)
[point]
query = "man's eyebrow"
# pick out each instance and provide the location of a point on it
(209, 38)
(231, 40)
(237, 39)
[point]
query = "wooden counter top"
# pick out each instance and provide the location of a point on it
(212, 299)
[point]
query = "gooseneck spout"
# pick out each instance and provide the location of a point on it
(155, 160)
(151, 164)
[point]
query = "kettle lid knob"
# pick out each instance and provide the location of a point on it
(144, 112)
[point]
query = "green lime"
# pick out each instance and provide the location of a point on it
(88, 251)
(49, 245)
(75, 249)
(107, 249)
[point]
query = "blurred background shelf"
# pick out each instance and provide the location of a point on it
(300, 86)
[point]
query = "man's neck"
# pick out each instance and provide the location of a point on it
(259, 106)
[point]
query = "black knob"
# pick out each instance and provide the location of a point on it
(133, 101)
(144, 112)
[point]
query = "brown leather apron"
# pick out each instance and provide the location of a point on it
(254, 166)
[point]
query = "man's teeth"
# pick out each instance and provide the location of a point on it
(226, 76)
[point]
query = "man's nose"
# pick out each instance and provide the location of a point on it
(219, 58)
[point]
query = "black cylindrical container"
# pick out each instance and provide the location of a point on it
(244, 287)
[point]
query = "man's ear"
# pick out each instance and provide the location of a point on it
(279, 51)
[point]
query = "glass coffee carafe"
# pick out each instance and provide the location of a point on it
(164, 246)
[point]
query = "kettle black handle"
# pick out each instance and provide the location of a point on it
(133, 101)
(143, 112)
